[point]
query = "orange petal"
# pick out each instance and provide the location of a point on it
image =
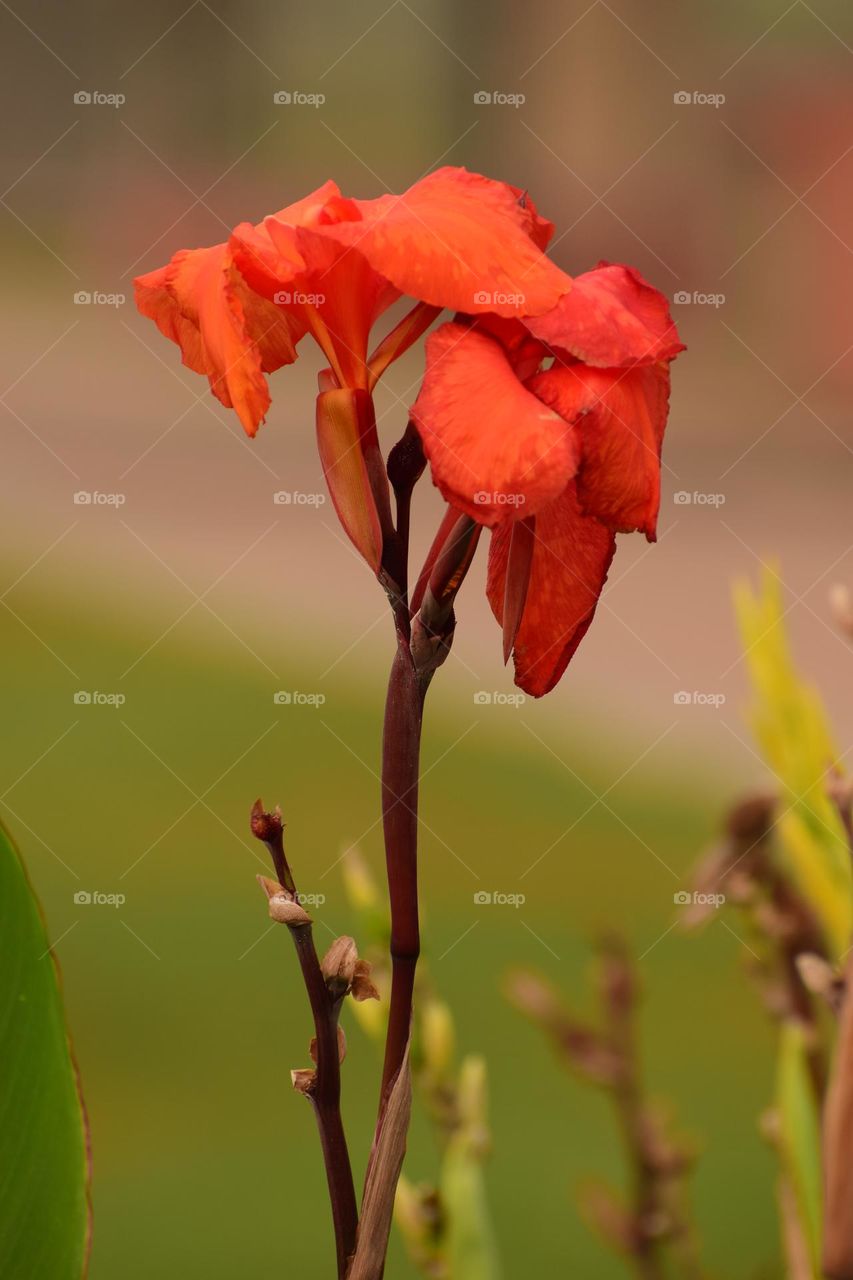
(339, 440)
(621, 415)
(458, 240)
(571, 558)
(611, 317)
(495, 449)
(223, 329)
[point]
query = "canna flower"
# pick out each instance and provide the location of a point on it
(330, 266)
(548, 430)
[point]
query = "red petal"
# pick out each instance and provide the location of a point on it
(621, 415)
(571, 558)
(458, 240)
(223, 329)
(611, 317)
(495, 450)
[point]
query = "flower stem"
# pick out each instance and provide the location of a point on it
(400, 763)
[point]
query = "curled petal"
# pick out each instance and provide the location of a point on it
(611, 317)
(621, 415)
(224, 330)
(461, 241)
(495, 449)
(342, 456)
(571, 558)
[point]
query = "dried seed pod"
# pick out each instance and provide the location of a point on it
(363, 986)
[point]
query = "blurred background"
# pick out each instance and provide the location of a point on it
(710, 146)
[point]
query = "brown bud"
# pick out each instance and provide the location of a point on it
(266, 826)
(751, 820)
(285, 911)
(304, 1080)
(338, 965)
(270, 887)
(819, 977)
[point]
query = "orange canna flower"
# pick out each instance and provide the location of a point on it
(549, 430)
(330, 266)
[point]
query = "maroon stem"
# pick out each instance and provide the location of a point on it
(400, 764)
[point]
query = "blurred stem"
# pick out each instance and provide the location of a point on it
(325, 1093)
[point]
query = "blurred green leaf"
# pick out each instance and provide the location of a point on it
(471, 1248)
(790, 724)
(44, 1176)
(799, 1137)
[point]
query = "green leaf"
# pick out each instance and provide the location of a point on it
(471, 1247)
(44, 1167)
(799, 1137)
(791, 727)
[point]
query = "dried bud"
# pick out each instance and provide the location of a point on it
(342, 1046)
(338, 965)
(363, 987)
(304, 1080)
(821, 979)
(270, 887)
(285, 911)
(266, 826)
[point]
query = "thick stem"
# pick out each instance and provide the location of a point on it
(400, 764)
